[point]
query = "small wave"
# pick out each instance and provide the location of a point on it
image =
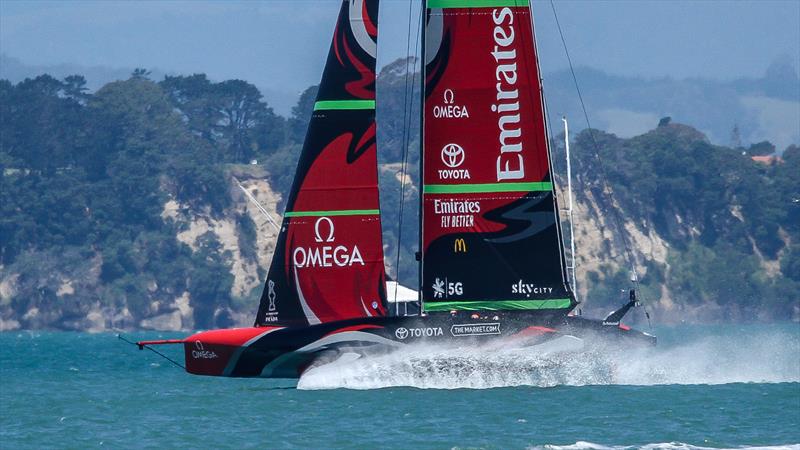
(770, 358)
(580, 445)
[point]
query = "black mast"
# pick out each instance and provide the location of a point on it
(424, 22)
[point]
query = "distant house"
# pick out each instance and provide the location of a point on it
(768, 159)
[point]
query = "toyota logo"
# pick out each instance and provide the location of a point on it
(401, 333)
(452, 155)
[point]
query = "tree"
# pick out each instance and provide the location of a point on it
(74, 87)
(40, 123)
(210, 281)
(193, 96)
(301, 114)
(230, 115)
(140, 74)
(736, 137)
(790, 263)
(242, 110)
(762, 148)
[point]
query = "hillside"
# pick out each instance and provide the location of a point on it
(121, 209)
(715, 233)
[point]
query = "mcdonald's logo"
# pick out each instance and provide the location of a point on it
(459, 246)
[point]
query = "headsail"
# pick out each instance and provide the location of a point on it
(491, 236)
(328, 263)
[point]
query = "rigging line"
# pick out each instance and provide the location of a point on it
(607, 191)
(408, 107)
(557, 212)
(423, 21)
(549, 158)
(258, 205)
(120, 336)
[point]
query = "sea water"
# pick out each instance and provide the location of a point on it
(702, 387)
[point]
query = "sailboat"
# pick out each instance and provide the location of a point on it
(492, 261)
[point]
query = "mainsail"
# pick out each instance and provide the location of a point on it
(491, 237)
(328, 262)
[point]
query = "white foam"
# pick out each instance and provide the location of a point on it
(765, 358)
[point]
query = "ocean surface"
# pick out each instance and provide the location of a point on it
(702, 387)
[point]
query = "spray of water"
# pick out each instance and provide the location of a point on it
(766, 357)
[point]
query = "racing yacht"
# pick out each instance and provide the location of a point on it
(492, 261)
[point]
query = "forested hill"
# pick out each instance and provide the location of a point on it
(716, 230)
(121, 209)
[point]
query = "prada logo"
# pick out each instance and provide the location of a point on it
(459, 246)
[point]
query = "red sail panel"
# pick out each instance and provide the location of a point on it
(328, 262)
(490, 230)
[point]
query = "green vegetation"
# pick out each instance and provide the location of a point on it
(85, 179)
(732, 224)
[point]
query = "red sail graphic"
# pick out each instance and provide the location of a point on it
(328, 263)
(490, 231)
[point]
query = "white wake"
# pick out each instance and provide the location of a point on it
(768, 357)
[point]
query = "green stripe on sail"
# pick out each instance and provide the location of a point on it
(344, 104)
(339, 212)
(475, 3)
(490, 187)
(498, 305)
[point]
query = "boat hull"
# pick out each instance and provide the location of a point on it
(286, 352)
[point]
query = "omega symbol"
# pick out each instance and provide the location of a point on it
(318, 237)
(449, 96)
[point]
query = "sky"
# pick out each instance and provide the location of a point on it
(280, 45)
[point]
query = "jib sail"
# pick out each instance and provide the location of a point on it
(491, 237)
(328, 263)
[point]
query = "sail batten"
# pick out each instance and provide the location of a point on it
(539, 186)
(341, 212)
(475, 3)
(344, 104)
(490, 231)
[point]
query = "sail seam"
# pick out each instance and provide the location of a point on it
(538, 186)
(475, 3)
(344, 104)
